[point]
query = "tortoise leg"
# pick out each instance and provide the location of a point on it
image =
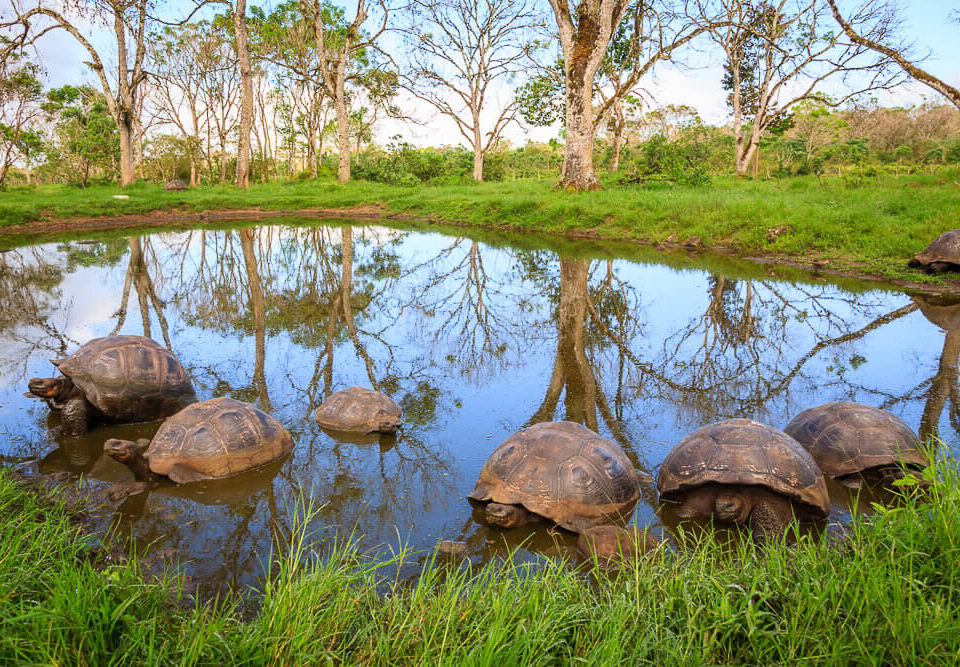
(770, 517)
(939, 267)
(76, 416)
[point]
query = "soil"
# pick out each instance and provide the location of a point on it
(379, 212)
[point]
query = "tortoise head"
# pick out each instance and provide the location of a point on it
(122, 451)
(385, 422)
(50, 388)
(506, 516)
(733, 505)
(131, 455)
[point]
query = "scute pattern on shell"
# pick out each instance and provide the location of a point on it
(845, 438)
(945, 248)
(129, 378)
(356, 409)
(562, 471)
(742, 451)
(216, 438)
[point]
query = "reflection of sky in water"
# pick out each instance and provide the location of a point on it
(465, 336)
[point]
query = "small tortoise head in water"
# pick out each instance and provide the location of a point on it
(54, 389)
(130, 454)
(507, 516)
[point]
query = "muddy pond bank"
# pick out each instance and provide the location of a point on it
(814, 263)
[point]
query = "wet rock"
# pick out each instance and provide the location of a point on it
(776, 232)
(671, 239)
(120, 492)
(451, 548)
(693, 242)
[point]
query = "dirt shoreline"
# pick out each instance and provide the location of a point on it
(379, 213)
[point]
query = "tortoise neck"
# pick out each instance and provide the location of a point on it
(140, 467)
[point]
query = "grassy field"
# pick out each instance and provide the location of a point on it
(870, 229)
(890, 594)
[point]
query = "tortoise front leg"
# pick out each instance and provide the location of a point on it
(75, 415)
(770, 517)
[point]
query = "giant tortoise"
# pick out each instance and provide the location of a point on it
(117, 378)
(209, 440)
(852, 442)
(560, 471)
(744, 472)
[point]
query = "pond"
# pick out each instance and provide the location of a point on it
(475, 336)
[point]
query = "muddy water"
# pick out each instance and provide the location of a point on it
(475, 338)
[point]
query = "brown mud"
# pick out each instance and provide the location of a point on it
(379, 213)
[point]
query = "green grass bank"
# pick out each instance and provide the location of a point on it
(871, 228)
(888, 595)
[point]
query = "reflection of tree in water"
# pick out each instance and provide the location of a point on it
(138, 277)
(741, 353)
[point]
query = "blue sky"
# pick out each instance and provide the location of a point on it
(929, 24)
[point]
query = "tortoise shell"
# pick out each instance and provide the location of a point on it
(742, 451)
(359, 410)
(214, 439)
(845, 438)
(945, 248)
(941, 310)
(129, 378)
(562, 471)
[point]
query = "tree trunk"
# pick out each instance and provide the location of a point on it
(223, 160)
(617, 147)
(312, 152)
(942, 386)
(578, 170)
(343, 130)
(128, 175)
(246, 102)
(477, 164)
(193, 171)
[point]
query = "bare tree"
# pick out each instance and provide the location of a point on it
(176, 54)
(460, 52)
(783, 52)
(338, 48)
(128, 18)
(656, 31)
(866, 15)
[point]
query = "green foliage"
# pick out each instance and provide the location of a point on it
(86, 136)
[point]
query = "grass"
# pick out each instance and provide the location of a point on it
(890, 594)
(870, 229)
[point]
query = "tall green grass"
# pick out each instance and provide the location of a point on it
(872, 228)
(888, 594)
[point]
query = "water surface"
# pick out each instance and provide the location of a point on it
(474, 337)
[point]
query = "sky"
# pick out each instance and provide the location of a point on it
(928, 26)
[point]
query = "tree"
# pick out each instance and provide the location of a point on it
(340, 45)
(460, 52)
(20, 98)
(655, 31)
(285, 37)
(783, 52)
(129, 22)
(86, 136)
(868, 14)
(176, 53)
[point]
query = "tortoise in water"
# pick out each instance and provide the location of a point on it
(941, 255)
(852, 442)
(209, 440)
(359, 410)
(561, 471)
(744, 472)
(613, 546)
(117, 378)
